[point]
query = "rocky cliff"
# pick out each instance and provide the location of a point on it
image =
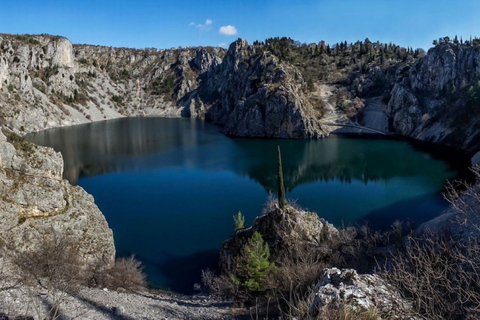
(251, 93)
(276, 88)
(46, 82)
(35, 201)
(438, 100)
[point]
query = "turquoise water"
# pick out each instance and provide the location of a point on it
(169, 187)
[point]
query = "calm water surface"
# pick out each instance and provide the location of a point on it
(169, 187)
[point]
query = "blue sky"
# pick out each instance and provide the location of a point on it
(165, 24)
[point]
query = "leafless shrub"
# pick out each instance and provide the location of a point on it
(51, 267)
(270, 204)
(127, 274)
(53, 264)
(441, 278)
(298, 266)
(346, 312)
(220, 286)
(465, 199)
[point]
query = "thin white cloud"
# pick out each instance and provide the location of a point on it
(191, 24)
(222, 44)
(228, 30)
(204, 26)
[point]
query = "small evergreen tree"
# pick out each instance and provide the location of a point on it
(238, 221)
(253, 267)
(281, 187)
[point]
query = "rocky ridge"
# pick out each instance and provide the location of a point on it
(276, 88)
(253, 94)
(48, 82)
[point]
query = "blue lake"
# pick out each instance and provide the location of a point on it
(169, 187)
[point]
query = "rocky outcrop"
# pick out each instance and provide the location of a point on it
(403, 107)
(433, 102)
(35, 201)
(290, 234)
(361, 292)
(253, 94)
(284, 230)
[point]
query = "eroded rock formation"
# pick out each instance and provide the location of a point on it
(35, 201)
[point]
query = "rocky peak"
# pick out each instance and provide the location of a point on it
(253, 94)
(204, 60)
(60, 52)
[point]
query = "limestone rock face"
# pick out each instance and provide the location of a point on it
(361, 291)
(204, 60)
(46, 82)
(404, 108)
(35, 200)
(253, 94)
(250, 90)
(430, 102)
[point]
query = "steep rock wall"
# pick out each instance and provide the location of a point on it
(436, 101)
(35, 201)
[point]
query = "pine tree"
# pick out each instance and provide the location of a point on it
(253, 267)
(281, 186)
(238, 221)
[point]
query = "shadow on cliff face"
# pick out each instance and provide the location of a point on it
(183, 272)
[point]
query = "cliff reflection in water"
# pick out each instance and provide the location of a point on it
(140, 143)
(339, 159)
(120, 145)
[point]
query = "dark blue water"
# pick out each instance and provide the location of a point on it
(169, 187)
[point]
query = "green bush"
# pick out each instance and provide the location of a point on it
(253, 266)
